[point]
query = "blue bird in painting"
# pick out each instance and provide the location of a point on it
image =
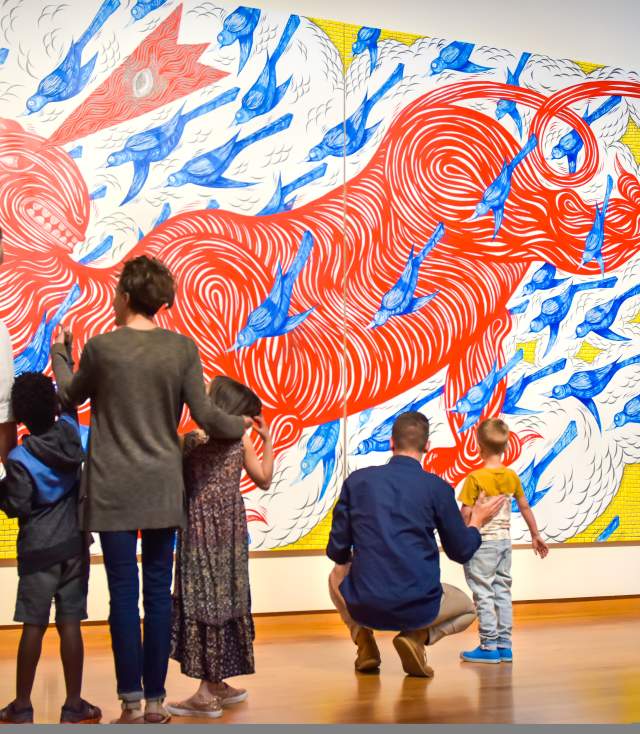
(142, 8)
(84, 437)
(520, 308)
(477, 398)
(542, 280)
(98, 251)
(35, 356)
(455, 56)
(586, 385)
(530, 477)
(239, 26)
(71, 76)
(321, 447)
(155, 144)
(609, 530)
(379, 440)
(595, 238)
(207, 169)
(554, 310)
(165, 213)
(279, 203)
(99, 193)
(515, 392)
(265, 94)
(571, 144)
(4, 53)
(272, 318)
(600, 318)
(630, 413)
(508, 106)
(348, 137)
(495, 196)
(401, 299)
(367, 40)
(364, 417)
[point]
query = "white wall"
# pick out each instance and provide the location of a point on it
(299, 583)
(582, 30)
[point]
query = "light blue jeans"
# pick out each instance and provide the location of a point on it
(488, 574)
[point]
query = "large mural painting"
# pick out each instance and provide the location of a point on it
(360, 222)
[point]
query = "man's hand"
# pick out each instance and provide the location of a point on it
(486, 509)
(540, 548)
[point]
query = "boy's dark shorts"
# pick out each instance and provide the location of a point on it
(66, 582)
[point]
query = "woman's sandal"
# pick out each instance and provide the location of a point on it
(131, 713)
(156, 713)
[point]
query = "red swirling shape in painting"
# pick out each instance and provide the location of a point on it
(432, 166)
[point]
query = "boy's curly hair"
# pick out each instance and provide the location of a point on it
(34, 401)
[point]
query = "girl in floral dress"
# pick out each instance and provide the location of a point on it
(212, 630)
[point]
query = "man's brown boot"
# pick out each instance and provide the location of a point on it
(368, 657)
(413, 656)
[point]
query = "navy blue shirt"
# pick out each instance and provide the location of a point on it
(384, 523)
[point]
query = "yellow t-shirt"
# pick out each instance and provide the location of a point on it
(493, 482)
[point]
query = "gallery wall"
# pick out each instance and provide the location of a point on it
(170, 144)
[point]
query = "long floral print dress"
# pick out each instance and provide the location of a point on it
(212, 628)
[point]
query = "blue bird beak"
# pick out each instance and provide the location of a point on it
(232, 349)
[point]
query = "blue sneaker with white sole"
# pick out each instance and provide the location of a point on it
(506, 656)
(480, 655)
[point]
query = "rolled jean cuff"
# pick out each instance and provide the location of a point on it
(152, 696)
(131, 696)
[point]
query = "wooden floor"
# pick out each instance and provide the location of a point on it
(575, 662)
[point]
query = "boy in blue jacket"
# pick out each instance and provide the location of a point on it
(41, 489)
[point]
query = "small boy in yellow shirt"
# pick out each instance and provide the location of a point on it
(488, 573)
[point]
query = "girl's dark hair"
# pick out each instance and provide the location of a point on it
(149, 285)
(234, 398)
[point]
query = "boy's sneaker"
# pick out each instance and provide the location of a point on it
(11, 715)
(83, 714)
(480, 655)
(506, 655)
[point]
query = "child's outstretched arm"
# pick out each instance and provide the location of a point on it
(260, 472)
(540, 548)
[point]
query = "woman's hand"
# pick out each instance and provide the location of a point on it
(59, 336)
(262, 429)
(64, 336)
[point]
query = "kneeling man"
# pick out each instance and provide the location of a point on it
(387, 573)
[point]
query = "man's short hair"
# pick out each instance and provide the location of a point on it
(410, 432)
(493, 436)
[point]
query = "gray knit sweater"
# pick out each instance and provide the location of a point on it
(138, 382)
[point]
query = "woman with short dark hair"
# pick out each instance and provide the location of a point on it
(138, 379)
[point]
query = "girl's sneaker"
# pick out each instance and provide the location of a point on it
(480, 655)
(506, 656)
